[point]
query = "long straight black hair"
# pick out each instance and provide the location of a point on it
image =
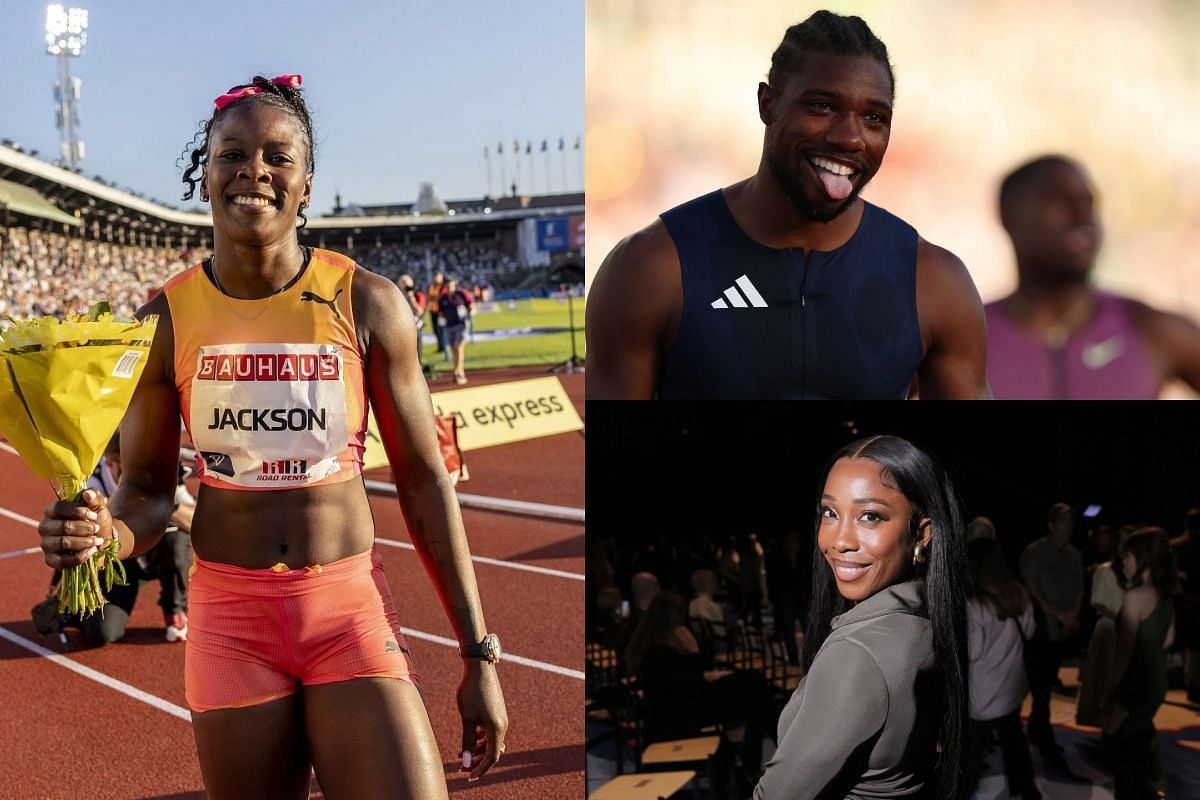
(928, 489)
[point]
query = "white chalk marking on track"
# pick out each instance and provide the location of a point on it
(184, 714)
(567, 513)
(4, 512)
(98, 677)
(26, 552)
(505, 659)
(9, 448)
(508, 658)
(558, 573)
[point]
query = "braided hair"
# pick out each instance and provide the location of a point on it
(280, 96)
(826, 32)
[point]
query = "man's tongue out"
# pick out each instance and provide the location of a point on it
(836, 186)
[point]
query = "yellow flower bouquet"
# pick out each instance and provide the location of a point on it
(64, 387)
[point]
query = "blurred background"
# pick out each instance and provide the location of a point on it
(981, 86)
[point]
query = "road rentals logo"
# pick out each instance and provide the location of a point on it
(288, 466)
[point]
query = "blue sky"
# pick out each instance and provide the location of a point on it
(402, 92)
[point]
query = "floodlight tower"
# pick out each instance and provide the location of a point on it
(66, 34)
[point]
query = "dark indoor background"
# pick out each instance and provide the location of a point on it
(714, 470)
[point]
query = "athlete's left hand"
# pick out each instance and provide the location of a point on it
(485, 720)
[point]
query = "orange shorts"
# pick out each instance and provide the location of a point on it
(254, 635)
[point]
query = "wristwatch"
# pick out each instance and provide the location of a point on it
(487, 650)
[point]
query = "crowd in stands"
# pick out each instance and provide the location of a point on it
(45, 273)
(706, 610)
(471, 263)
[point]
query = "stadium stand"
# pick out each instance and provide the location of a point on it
(67, 240)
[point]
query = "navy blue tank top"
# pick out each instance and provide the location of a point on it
(768, 324)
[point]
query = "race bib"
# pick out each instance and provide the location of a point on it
(269, 416)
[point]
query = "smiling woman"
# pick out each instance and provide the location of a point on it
(272, 353)
(886, 636)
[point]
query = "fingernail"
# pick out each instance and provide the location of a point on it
(91, 551)
(96, 540)
(466, 761)
(472, 780)
(92, 515)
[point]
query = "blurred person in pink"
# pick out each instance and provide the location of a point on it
(1058, 337)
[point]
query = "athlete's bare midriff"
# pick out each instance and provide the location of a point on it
(298, 527)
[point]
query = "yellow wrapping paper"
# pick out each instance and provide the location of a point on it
(18, 428)
(77, 397)
(64, 387)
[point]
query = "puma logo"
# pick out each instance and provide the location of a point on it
(316, 298)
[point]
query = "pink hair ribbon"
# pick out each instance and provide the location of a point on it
(290, 81)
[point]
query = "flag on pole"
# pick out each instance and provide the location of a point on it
(560, 143)
(543, 145)
(485, 151)
(528, 146)
(576, 142)
(516, 146)
(500, 148)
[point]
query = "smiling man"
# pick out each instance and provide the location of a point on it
(787, 285)
(1057, 337)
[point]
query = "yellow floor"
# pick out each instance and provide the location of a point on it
(1175, 715)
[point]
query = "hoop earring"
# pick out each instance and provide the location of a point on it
(919, 555)
(203, 194)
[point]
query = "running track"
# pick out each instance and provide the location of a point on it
(69, 735)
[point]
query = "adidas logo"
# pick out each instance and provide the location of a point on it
(736, 299)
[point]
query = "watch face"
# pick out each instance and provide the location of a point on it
(492, 643)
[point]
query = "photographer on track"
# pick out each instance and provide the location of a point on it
(168, 562)
(417, 301)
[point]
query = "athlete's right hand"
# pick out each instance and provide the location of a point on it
(72, 532)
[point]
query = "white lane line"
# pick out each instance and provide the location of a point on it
(517, 565)
(558, 573)
(505, 659)
(98, 677)
(567, 513)
(26, 552)
(4, 512)
(184, 714)
(9, 448)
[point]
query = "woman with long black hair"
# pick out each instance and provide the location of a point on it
(882, 709)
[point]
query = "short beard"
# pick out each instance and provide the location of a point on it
(791, 187)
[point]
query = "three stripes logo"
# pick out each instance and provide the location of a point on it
(748, 296)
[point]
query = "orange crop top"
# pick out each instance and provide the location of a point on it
(272, 393)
